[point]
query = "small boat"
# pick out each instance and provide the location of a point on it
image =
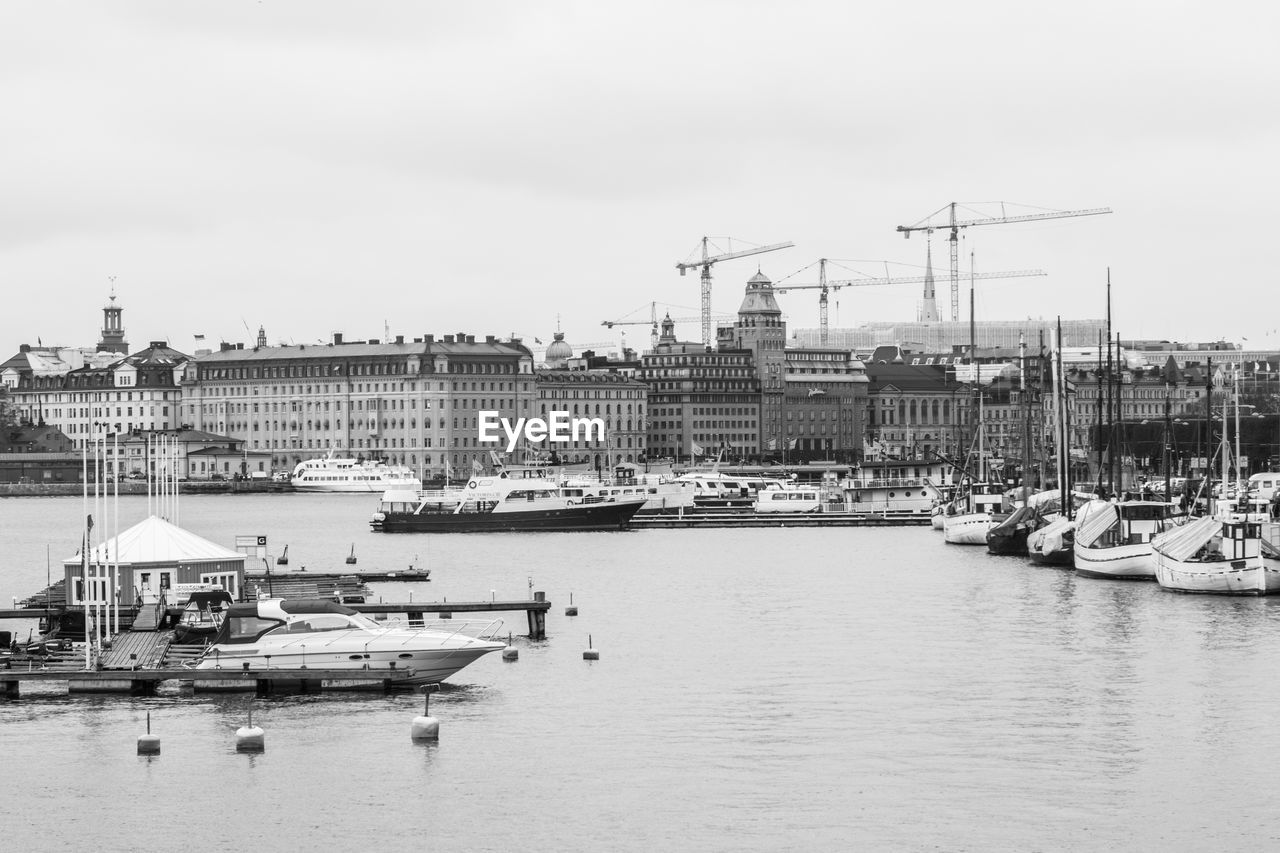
(337, 474)
(283, 559)
(1052, 545)
(202, 616)
(295, 633)
(503, 502)
(973, 512)
(1212, 555)
(1114, 541)
(1010, 536)
(790, 498)
(351, 558)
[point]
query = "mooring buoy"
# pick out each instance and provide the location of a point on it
(250, 738)
(283, 559)
(590, 653)
(351, 558)
(571, 610)
(426, 727)
(510, 654)
(148, 744)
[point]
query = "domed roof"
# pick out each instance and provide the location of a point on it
(559, 349)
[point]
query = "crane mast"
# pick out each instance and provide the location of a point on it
(705, 264)
(954, 225)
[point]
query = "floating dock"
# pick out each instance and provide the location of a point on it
(753, 519)
(262, 682)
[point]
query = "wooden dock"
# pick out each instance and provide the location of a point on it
(753, 519)
(262, 682)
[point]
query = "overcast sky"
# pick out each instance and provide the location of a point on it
(485, 167)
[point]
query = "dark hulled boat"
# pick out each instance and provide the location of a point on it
(501, 503)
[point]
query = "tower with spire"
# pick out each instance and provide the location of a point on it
(928, 308)
(262, 337)
(112, 330)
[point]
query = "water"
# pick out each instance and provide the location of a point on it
(784, 689)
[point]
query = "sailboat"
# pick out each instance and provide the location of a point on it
(972, 512)
(1053, 544)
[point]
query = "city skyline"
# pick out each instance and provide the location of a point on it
(322, 167)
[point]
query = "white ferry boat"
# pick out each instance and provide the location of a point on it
(341, 474)
(662, 495)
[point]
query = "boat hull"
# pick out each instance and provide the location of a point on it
(968, 529)
(1248, 576)
(1122, 562)
(429, 666)
(363, 487)
(601, 516)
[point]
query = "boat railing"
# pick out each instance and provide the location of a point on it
(889, 483)
(476, 629)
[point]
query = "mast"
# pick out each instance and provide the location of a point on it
(1111, 423)
(1239, 468)
(1098, 413)
(1060, 422)
(1026, 419)
(977, 384)
(1208, 427)
(1168, 428)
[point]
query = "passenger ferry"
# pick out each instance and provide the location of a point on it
(662, 495)
(338, 474)
(792, 498)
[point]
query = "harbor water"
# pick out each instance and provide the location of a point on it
(760, 689)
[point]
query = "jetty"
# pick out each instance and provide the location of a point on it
(798, 519)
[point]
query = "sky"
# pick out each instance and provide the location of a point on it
(501, 167)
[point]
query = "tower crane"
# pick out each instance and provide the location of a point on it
(955, 225)
(705, 264)
(653, 321)
(824, 285)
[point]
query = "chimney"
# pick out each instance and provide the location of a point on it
(224, 346)
(337, 337)
(462, 337)
(399, 339)
(488, 339)
(25, 348)
(240, 346)
(158, 344)
(471, 339)
(374, 341)
(431, 339)
(448, 339)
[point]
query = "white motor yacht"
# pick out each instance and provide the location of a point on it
(290, 634)
(338, 474)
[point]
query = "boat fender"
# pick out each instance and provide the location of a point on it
(570, 502)
(471, 485)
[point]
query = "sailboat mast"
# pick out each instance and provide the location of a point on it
(1098, 413)
(1111, 422)
(977, 384)
(1208, 436)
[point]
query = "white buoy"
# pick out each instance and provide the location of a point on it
(590, 653)
(426, 727)
(510, 654)
(571, 610)
(148, 744)
(250, 738)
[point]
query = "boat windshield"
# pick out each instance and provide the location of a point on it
(318, 622)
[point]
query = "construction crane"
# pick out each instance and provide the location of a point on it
(955, 225)
(824, 285)
(705, 264)
(653, 321)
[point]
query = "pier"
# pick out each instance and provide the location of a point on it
(262, 682)
(754, 519)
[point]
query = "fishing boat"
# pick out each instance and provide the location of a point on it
(507, 501)
(295, 633)
(1010, 536)
(1052, 545)
(339, 474)
(972, 513)
(1114, 541)
(202, 616)
(1216, 556)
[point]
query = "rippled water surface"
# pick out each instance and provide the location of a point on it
(756, 690)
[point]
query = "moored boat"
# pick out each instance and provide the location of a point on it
(1051, 545)
(338, 474)
(202, 616)
(972, 514)
(502, 503)
(1216, 556)
(1114, 541)
(290, 634)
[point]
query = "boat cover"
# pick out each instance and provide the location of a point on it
(1048, 539)
(1098, 522)
(1180, 543)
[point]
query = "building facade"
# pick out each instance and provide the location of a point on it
(618, 400)
(414, 403)
(701, 401)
